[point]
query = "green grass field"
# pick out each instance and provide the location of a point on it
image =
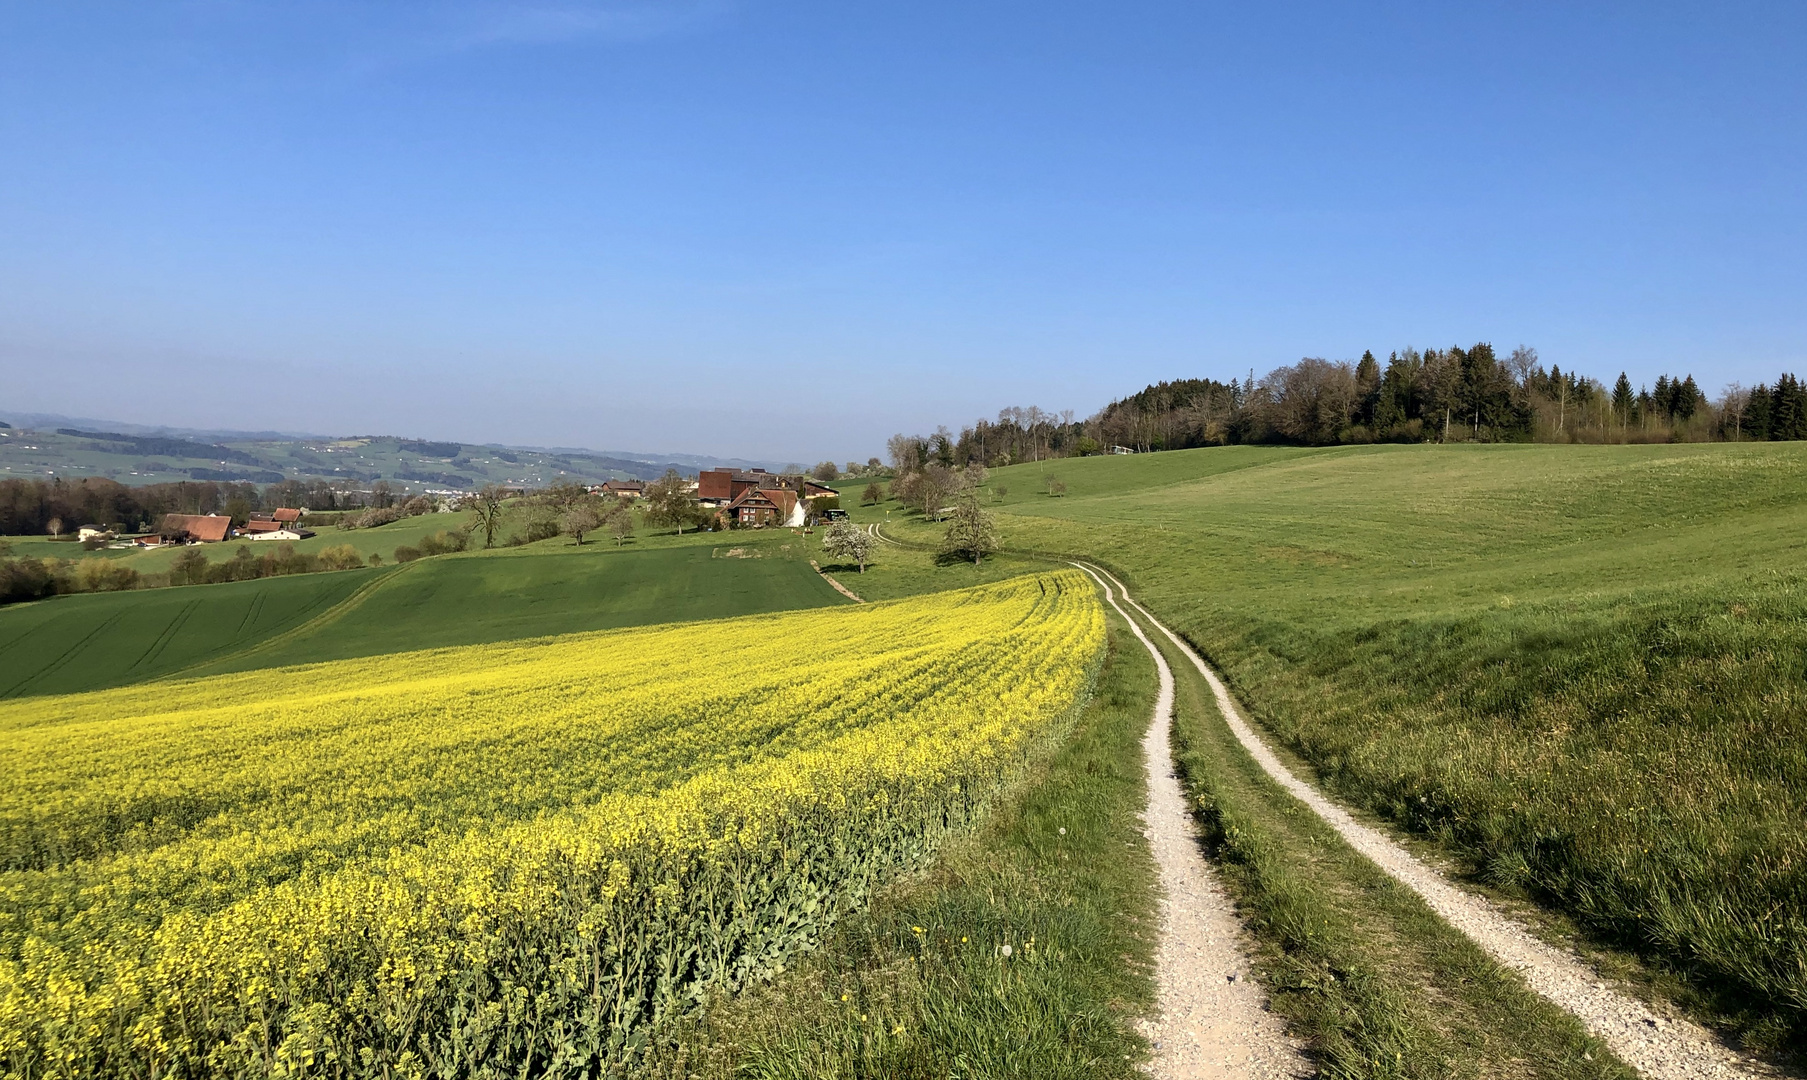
(1581, 669)
(92, 641)
(382, 540)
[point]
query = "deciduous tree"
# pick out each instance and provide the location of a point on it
(845, 540)
(971, 534)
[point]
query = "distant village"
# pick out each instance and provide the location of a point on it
(745, 498)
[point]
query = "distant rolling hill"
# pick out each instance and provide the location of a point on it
(37, 446)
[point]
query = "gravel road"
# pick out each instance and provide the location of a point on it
(1213, 1021)
(1662, 1047)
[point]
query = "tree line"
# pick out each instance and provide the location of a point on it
(1435, 395)
(29, 506)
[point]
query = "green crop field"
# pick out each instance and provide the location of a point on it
(91, 641)
(1581, 669)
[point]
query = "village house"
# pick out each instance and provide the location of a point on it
(765, 506)
(624, 489)
(195, 528)
(719, 487)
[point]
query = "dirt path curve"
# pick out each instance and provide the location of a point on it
(1659, 1047)
(1213, 1020)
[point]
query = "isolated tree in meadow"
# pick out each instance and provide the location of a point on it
(580, 519)
(54, 527)
(935, 485)
(488, 504)
(670, 501)
(971, 533)
(845, 540)
(1056, 486)
(873, 495)
(621, 527)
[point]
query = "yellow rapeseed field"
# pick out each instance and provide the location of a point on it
(495, 860)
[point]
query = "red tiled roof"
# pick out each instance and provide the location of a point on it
(285, 513)
(258, 525)
(206, 527)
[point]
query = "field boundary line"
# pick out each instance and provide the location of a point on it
(1658, 1047)
(838, 587)
(1203, 1018)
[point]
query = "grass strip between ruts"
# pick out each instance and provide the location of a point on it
(1376, 983)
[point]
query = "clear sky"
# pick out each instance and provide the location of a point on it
(786, 230)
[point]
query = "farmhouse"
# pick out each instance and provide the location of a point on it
(282, 519)
(278, 533)
(625, 489)
(719, 487)
(766, 506)
(196, 528)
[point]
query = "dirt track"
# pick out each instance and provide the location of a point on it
(1213, 1021)
(1659, 1046)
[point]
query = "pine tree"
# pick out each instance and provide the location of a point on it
(1757, 414)
(1367, 388)
(1621, 399)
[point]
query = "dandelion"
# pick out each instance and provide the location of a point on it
(1004, 950)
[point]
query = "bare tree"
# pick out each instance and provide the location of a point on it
(1056, 486)
(579, 519)
(845, 540)
(1521, 364)
(488, 504)
(54, 527)
(621, 526)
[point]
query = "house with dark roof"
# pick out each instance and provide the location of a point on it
(765, 506)
(719, 487)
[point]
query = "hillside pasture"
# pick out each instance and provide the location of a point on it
(88, 642)
(1581, 669)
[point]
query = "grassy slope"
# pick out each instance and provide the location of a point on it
(916, 986)
(379, 541)
(1578, 667)
(92, 641)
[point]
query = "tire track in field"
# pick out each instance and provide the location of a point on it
(1657, 1046)
(67, 655)
(1213, 1022)
(170, 630)
(326, 618)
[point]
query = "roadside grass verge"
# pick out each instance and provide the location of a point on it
(919, 985)
(1369, 976)
(1637, 765)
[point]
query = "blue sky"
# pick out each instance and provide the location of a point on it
(786, 230)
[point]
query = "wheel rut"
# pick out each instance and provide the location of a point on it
(1662, 1047)
(1213, 1020)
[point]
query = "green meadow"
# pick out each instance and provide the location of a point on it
(90, 641)
(1582, 670)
